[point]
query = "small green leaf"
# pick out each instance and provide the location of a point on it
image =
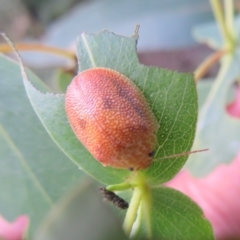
(81, 214)
(34, 173)
(171, 95)
(209, 33)
(174, 216)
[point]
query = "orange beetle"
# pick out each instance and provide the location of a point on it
(112, 119)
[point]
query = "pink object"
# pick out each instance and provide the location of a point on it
(14, 230)
(234, 107)
(217, 194)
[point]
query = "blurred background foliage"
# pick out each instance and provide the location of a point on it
(165, 34)
(165, 24)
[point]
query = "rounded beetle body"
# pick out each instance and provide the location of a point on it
(112, 119)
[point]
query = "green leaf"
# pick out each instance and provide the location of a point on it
(63, 79)
(81, 214)
(203, 88)
(209, 33)
(167, 16)
(175, 216)
(216, 129)
(34, 173)
(171, 95)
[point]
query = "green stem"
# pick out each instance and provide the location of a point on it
(229, 21)
(219, 81)
(132, 210)
(140, 201)
(219, 15)
(119, 187)
(229, 9)
(146, 208)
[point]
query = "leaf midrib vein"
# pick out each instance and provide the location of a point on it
(179, 214)
(23, 162)
(178, 112)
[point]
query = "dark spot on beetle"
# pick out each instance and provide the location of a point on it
(107, 103)
(151, 154)
(124, 93)
(139, 128)
(131, 169)
(82, 123)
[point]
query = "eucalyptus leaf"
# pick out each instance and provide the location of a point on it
(81, 214)
(171, 95)
(63, 79)
(164, 24)
(204, 87)
(175, 216)
(209, 33)
(34, 173)
(217, 130)
(173, 18)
